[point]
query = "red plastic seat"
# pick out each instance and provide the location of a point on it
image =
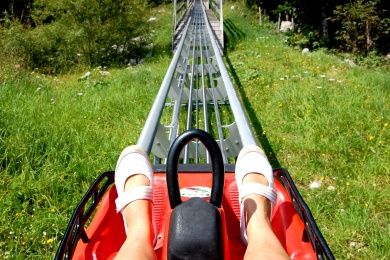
(106, 233)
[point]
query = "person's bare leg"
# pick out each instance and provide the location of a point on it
(262, 241)
(139, 241)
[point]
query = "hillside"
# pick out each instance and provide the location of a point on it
(316, 114)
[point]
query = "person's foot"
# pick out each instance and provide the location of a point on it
(254, 178)
(133, 180)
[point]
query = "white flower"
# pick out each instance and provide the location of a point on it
(315, 185)
(331, 188)
(80, 94)
(86, 75)
(104, 73)
(151, 19)
(136, 39)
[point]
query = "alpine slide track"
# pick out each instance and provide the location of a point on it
(196, 93)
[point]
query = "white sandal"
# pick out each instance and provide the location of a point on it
(252, 159)
(132, 161)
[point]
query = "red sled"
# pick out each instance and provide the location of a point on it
(96, 230)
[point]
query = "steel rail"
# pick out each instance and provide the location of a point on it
(198, 93)
(205, 110)
(215, 102)
(243, 125)
(148, 132)
(190, 97)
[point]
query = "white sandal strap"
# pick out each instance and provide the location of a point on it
(257, 188)
(135, 193)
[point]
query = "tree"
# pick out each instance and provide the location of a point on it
(360, 26)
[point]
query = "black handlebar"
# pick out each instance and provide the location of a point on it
(216, 160)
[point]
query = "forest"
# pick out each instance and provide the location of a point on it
(58, 35)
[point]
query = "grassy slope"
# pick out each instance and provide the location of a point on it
(54, 141)
(58, 134)
(325, 122)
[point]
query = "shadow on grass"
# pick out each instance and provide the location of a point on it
(233, 34)
(253, 118)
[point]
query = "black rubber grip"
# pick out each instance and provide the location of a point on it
(216, 162)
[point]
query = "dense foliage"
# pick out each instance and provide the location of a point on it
(357, 26)
(58, 35)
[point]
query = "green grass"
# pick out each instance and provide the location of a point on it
(57, 134)
(325, 122)
(312, 114)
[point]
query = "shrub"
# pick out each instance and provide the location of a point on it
(361, 26)
(306, 39)
(65, 34)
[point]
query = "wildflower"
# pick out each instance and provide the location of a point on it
(80, 94)
(86, 75)
(49, 241)
(331, 188)
(315, 185)
(104, 73)
(322, 76)
(136, 39)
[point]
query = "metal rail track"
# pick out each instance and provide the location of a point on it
(196, 92)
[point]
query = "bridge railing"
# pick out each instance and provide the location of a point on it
(216, 7)
(180, 12)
